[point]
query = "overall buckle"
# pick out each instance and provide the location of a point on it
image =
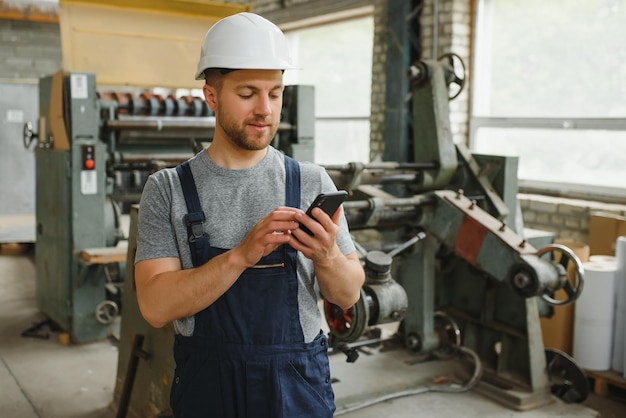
(195, 224)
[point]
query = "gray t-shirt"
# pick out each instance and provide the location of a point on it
(233, 202)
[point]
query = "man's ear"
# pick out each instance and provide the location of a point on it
(210, 95)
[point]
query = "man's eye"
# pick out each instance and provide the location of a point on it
(245, 96)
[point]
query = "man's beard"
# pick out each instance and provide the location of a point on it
(237, 135)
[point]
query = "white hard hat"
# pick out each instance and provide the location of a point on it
(244, 41)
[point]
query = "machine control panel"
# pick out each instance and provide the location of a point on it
(89, 157)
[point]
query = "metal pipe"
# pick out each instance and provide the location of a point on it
(394, 203)
(347, 175)
(162, 123)
(384, 165)
(135, 158)
(394, 212)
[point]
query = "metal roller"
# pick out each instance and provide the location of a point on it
(383, 213)
(162, 123)
(350, 175)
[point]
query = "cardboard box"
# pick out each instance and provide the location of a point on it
(604, 228)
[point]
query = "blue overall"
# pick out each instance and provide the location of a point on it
(247, 357)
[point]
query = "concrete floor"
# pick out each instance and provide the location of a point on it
(41, 378)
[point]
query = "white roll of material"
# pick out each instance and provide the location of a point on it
(619, 330)
(594, 316)
(603, 258)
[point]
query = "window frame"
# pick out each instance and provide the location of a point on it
(574, 190)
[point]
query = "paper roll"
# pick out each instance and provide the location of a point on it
(619, 329)
(603, 258)
(594, 316)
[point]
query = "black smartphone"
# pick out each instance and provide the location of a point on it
(328, 202)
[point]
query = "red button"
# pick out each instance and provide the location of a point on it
(90, 164)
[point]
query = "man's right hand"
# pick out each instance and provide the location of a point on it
(268, 234)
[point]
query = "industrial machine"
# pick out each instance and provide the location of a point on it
(446, 266)
(95, 149)
(443, 268)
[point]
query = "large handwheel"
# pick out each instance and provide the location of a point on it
(449, 336)
(574, 287)
(28, 135)
(567, 380)
(451, 72)
(347, 325)
(106, 311)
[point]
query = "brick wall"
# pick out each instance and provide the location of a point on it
(566, 218)
(377, 116)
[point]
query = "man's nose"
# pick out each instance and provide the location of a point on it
(263, 106)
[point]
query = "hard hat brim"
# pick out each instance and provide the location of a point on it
(287, 66)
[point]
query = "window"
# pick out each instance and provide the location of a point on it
(336, 59)
(550, 86)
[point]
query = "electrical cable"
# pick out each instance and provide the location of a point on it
(452, 388)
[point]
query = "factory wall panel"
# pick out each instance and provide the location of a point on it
(19, 103)
(28, 50)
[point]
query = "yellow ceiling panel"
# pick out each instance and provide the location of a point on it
(141, 43)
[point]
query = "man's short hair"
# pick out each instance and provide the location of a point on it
(213, 76)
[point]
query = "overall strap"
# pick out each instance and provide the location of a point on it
(194, 219)
(292, 182)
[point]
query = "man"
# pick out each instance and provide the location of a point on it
(226, 259)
